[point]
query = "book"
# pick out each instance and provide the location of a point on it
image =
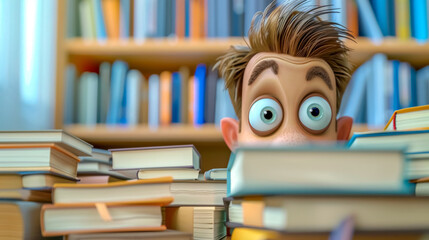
(62, 220)
(199, 89)
(422, 80)
(176, 174)
(413, 141)
(25, 195)
(37, 157)
(20, 220)
(369, 21)
(210, 95)
(111, 17)
(133, 95)
(419, 19)
(316, 169)
(198, 193)
(103, 92)
(117, 89)
(181, 156)
(223, 18)
(140, 20)
(86, 20)
(92, 166)
(154, 101)
(161, 235)
(216, 174)
(224, 107)
(402, 13)
(144, 101)
(100, 27)
(59, 137)
(296, 213)
(99, 155)
(202, 222)
(70, 91)
(32, 180)
(124, 192)
(124, 18)
(422, 186)
(176, 97)
(409, 118)
(88, 99)
(383, 16)
(376, 92)
(99, 179)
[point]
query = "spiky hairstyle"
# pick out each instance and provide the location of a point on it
(289, 28)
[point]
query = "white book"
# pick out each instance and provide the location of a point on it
(133, 87)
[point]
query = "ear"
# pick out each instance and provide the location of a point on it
(229, 128)
(344, 126)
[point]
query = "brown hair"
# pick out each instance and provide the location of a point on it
(292, 29)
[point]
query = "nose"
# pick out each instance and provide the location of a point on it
(290, 137)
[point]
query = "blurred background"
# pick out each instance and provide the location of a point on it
(121, 72)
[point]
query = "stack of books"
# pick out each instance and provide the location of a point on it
(198, 206)
(31, 162)
(126, 206)
(408, 129)
(312, 189)
(97, 168)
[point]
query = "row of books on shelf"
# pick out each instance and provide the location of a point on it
(117, 95)
(55, 184)
(141, 19)
(381, 86)
(404, 19)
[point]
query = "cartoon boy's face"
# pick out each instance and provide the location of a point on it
(285, 100)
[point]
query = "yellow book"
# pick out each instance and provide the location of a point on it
(402, 14)
(413, 118)
(253, 234)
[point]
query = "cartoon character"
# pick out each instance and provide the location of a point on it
(286, 85)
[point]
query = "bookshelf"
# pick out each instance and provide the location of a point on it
(154, 55)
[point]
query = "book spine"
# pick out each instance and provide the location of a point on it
(99, 20)
(176, 98)
(154, 101)
(165, 104)
(124, 18)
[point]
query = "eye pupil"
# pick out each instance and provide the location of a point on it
(314, 111)
(268, 114)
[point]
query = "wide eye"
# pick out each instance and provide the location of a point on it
(315, 114)
(265, 116)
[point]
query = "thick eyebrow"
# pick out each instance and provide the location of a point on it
(260, 67)
(319, 72)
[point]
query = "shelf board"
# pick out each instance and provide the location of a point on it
(169, 54)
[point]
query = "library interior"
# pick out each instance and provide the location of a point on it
(117, 101)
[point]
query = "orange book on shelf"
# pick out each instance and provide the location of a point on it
(111, 17)
(165, 100)
(180, 19)
(197, 19)
(352, 18)
(191, 102)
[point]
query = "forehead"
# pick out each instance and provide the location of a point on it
(287, 63)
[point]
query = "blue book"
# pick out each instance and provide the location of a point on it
(223, 18)
(200, 86)
(212, 21)
(381, 11)
(237, 18)
(296, 170)
(124, 18)
(153, 101)
(215, 174)
(396, 103)
(376, 98)
(370, 27)
(161, 19)
(419, 20)
(404, 84)
(250, 8)
(422, 79)
(117, 89)
(69, 90)
(176, 98)
(392, 18)
(353, 97)
(100, 27)
(223, 106)
(339, 16)
(413, 87)
(140, 19)
(187, 17)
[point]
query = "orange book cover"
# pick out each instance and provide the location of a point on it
(196, 19)
(165, 100)
(352, 18)
(111, 17)
(180, 19)
(392, 119)
(191, 102)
